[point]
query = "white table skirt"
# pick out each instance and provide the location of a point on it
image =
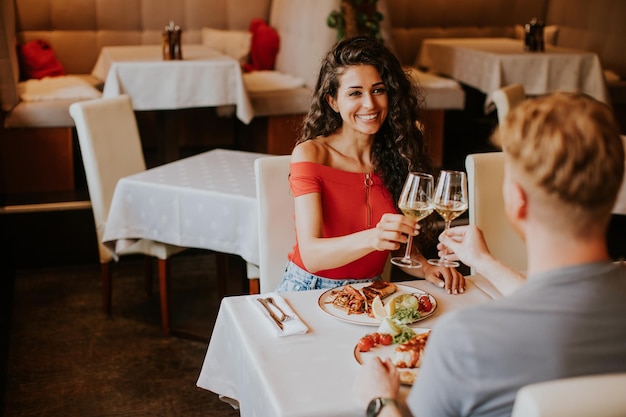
(206, 201)
(309, 375)
(204, 78)
(490, 63)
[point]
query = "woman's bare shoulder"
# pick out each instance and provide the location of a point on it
(313, 150)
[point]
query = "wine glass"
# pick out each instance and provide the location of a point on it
(416, 202)
(450, 201)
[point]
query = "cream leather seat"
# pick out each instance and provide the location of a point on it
(506, 98)
(584, 396)
(485, 175)
(111, 149)
(277, 227)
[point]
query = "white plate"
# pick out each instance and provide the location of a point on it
(364, 319)
(407, 375)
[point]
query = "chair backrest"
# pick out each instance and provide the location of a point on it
(506, 98)
(584, 396)
(620, 204)
(277, 227)
(485, 175)
(110, 146)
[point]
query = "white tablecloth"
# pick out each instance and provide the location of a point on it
(307, 375)
(204, 78)
(206, 201)
(490, 63)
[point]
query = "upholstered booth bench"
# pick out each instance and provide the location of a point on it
(39, 133)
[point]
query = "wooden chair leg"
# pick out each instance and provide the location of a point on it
(106, 287)
(148, 274)
(254, 286)
(163, 287)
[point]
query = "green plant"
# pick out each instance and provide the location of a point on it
(356, 17)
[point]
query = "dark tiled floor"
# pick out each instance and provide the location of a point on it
(65, 358)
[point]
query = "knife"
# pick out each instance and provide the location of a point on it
(263, 302)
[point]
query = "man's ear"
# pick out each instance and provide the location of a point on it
(519, 203)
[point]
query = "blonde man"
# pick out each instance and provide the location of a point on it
(564, 162)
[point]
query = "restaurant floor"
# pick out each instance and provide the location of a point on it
(65, 358)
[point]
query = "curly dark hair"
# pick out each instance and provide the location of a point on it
(399, 145)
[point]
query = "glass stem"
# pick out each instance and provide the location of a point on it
(409, 244)
(445, 251)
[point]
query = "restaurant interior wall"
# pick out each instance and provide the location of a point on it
(77, 29)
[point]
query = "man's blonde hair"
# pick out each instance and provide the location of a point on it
(567, 152)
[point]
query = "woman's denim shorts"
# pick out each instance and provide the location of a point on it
(297, 279)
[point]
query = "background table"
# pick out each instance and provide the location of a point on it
(305, 375)
(203, 78)
(490, 63)
(206, 201)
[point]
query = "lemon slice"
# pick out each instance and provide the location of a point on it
(378, 309)
(388, 326)
(390, 306)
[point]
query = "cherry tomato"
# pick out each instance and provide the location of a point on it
(424, 304)
(386, 339)
(365, 344)
(375, 337)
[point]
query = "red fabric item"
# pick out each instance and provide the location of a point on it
(344, 211)
(264, 46)
(37, 60)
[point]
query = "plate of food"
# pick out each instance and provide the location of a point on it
(405, 351)
(369, 303)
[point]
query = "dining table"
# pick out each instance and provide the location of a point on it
(205, 201)
(487, 64)
(310, 373)
(204, 77)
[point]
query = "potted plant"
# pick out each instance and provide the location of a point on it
(356, 17)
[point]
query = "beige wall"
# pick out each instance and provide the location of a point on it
(77, 29)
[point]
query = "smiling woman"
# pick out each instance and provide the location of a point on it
(360, 139)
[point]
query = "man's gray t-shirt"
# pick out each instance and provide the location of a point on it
(562, 323)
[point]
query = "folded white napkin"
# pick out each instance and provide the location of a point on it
(291, 326)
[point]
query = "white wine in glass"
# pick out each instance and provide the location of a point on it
(415, 202)
(450, 201)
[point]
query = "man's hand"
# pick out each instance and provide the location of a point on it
(467, 244)
(377, 379)
(464, 243)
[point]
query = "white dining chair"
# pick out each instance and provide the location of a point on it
(110, 146)
(506, 98)
(485, 176)
(277, 227)
(583, 396)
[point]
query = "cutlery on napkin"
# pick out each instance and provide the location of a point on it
(281, 316)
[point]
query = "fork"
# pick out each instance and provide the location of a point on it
(269, 310)
(284, 317)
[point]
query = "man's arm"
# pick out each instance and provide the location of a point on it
(467, 244)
